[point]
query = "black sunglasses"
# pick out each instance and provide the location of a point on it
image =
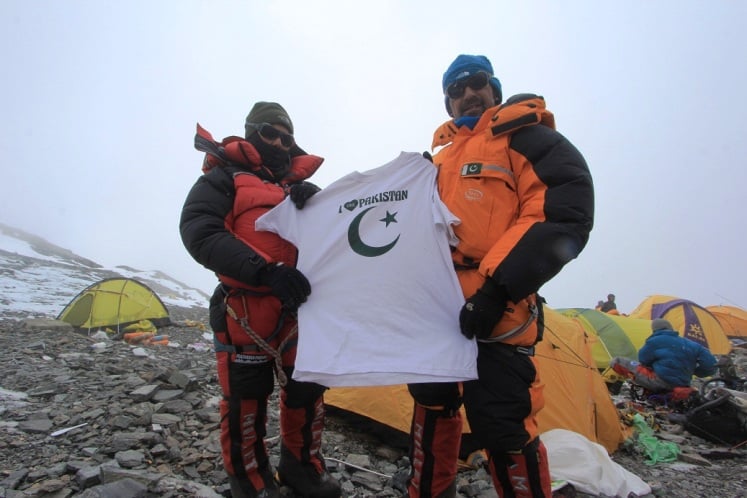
(270, 133)
(476, 82)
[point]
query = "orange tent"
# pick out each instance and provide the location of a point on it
(576, 396)
(732, 319)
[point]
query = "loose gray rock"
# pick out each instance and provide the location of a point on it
(143, 422)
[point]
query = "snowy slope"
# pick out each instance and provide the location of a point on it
(39, 279)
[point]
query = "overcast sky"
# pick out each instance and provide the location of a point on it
(99, 102)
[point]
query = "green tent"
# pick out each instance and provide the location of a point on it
(615, 335)
(115, 303)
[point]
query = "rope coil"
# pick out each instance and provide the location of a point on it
(264, 345)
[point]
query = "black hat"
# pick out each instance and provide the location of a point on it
(268, 112)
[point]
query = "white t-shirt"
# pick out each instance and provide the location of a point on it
(385, 299)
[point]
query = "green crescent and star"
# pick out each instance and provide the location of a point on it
(360, 247)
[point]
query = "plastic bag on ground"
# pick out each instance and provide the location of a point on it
(587, 466)
(656, 451)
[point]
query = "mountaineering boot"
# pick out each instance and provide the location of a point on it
(245, 457)
(449, 492)
(400, 479)
(301, 465)
(523, 473)
(241, 488)
(435, 437)
(304, 478)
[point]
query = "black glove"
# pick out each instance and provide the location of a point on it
(302, 192)
(428, 156)
(482, 311)
(287, 284)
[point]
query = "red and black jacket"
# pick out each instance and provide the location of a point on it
(217, 220)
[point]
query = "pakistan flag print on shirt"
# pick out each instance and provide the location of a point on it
(354, 230)
(385, 299)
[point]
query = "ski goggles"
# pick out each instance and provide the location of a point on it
(270, 133)
(477, 81)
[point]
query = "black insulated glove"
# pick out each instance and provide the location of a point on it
(482, 311)
(302, 192)
(287, 284)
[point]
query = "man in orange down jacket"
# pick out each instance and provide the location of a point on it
(253, 309)
(525, 199)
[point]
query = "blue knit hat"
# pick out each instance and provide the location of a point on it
(465, 66)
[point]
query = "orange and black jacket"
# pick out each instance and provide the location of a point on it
(523, 193)
(217, 220)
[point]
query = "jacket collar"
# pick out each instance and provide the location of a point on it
(516, 107)
(445, 133)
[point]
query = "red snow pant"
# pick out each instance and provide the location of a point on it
(246, 373)
(501, 408)
(642, 375)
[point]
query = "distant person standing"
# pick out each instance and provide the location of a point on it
(609, 304)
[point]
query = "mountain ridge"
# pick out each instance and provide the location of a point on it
(39, 278)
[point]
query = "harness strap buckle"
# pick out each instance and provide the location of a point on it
(231, 348)
(526, 350)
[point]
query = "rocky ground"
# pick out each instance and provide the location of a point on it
(90, 417)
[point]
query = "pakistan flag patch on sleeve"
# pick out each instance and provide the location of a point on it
(470, 169)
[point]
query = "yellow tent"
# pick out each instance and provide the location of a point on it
(115, 303)
(732, 319)
(688, 318)
(576, 397)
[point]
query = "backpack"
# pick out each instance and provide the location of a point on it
(719, 420)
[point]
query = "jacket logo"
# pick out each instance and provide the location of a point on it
(473, 194)
(470, 169)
